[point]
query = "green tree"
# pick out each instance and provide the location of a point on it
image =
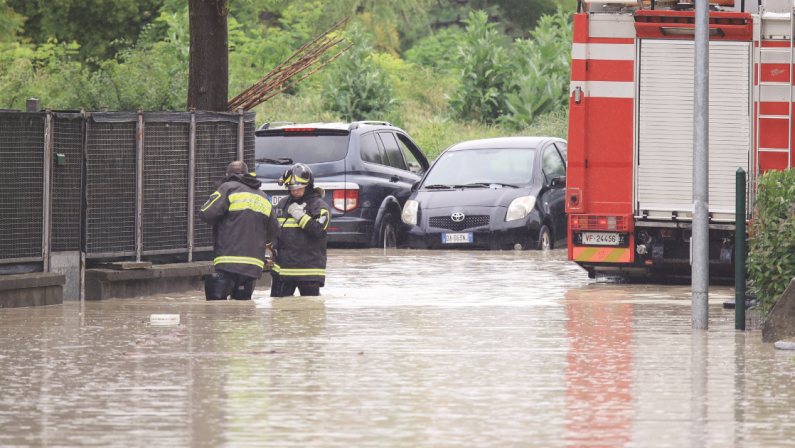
(542, 70)
(10, 22)
(439, 50)
(255, 51)
(485, 70)
(356, 88)
(94, 24)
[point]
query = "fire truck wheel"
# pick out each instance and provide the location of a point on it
(544, 238)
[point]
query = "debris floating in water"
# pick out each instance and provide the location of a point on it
(788, 344)
(164, 319)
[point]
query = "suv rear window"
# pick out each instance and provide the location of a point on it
(302, 148)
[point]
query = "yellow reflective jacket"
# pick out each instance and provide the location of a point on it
(243, 224)
(301, 246)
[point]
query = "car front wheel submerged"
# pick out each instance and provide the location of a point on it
(544, 238)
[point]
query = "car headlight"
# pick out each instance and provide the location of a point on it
(409, 214)
(520, 207)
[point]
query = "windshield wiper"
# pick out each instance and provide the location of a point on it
(486, 184)
(279, 161)
(436, 186)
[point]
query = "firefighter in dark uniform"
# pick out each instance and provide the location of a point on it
(243, 224)
(301, 247)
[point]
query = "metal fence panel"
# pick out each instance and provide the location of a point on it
(21, 191)
(102, 163)
(216, 147)
(248, 143)
(165, 198)
(110, 188)
(67, 182)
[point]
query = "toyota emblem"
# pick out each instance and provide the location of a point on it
(457, 217)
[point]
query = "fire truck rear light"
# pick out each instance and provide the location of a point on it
(345, 200)
(595, 222)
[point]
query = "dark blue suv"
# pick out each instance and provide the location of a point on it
(366, 169)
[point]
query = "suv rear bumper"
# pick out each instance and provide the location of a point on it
(350, 230)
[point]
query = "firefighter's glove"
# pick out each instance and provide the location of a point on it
(296, 211)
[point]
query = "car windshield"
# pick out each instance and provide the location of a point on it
(281, 149)
(482, 166)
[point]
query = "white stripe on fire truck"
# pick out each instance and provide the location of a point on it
(607, 52)
(772, 57)
(605, 89)
(773, 94)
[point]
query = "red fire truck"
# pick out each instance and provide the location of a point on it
(630, 145)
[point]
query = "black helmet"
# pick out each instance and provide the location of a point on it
(299, 176)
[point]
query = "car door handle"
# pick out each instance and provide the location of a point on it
(394, 178)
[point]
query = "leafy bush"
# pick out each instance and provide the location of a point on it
(485, 71)
(439, 50)
(542, 71)
(356, 88)
(771, 257)
(152, 76)
(26, 70)
(10, 22)
(512, 86)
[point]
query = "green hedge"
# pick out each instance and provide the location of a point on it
(771, 257)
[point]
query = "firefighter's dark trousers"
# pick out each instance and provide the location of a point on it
(286, 289)
(221, 284)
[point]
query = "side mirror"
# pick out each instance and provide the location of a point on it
(558, 182)
(415, 185)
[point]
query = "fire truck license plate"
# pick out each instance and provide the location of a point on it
(600, 239)
(456, 238)
(275, 199)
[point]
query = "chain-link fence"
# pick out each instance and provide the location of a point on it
(112, 184)
(22, 186)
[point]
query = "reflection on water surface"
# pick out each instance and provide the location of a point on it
(405, 349)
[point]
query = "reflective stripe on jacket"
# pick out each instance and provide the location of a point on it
(301, 246)
(243, 224)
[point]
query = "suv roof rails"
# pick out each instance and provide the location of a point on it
(269, 124)
(356, 124)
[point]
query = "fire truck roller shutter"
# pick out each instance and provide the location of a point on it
(664, 181)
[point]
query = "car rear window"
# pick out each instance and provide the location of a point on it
(302, 148)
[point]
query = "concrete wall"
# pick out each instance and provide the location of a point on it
(68, 264)
(38, 289)
(102, 284)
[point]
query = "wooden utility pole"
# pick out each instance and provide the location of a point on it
(208, 81)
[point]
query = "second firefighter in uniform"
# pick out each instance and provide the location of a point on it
(300, 250)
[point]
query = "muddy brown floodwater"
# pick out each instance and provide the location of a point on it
(404, 349)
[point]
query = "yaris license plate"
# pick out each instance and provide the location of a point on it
(457, 238)
(275, 199)
(600, 238)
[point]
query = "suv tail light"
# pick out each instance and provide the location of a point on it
(346, 200)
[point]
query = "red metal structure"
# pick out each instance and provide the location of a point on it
(629, 180)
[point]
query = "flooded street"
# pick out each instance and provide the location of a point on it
(404, 349)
